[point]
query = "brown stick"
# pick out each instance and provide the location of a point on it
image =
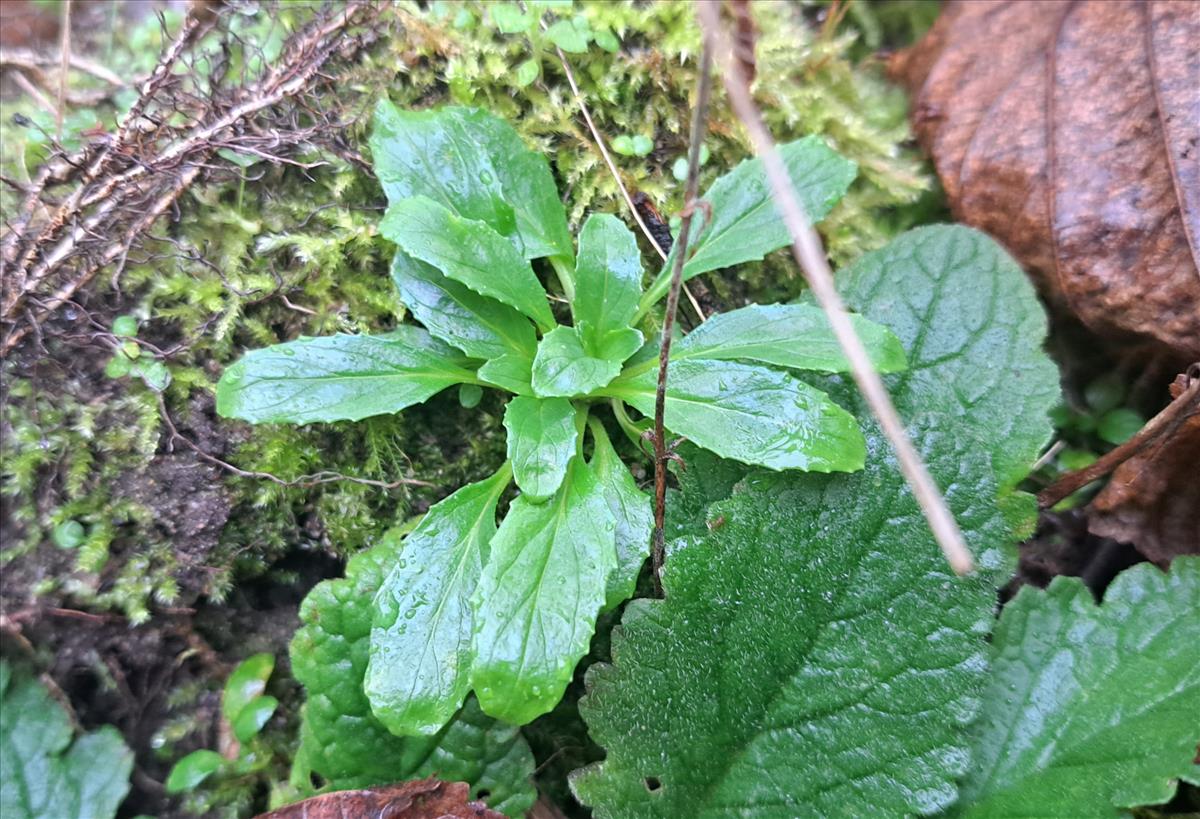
(806, 247)
(1162, 425)
(664, 354)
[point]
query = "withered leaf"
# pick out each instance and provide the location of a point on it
(1152, 500)
(420, 799)
(1070, 131)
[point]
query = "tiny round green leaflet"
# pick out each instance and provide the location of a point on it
(245, 684)
(125, 326)
(251, 719)
(69, 534)
(189, 772)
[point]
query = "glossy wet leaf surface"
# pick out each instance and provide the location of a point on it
(1091, 707)
(342, 740)
(562, 367)
(608, 283)
(787, 335)
(542, 588)
(417, 677)
(479, 326)
(468, 251)
(750, 414)
(633, 513)
(340, 377)
(541, 442)
(814, 654)
(511, 371)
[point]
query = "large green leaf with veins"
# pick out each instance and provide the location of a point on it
(562, 367)
(1091, 708)
(479, 326)
(541, 590)
(339, 377)
(344, 743)
(632, 513)
(787, 335)
(815, 655)
(745, 225)
(749, 413)
(541, 441)
(40, 776)
(468, 251)
(418, 675)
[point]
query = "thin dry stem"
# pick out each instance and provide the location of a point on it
(811, 257)
(63, 64)
(696, 140)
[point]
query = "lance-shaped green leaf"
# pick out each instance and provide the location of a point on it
(814, 655)
(343, 742)
(1091, 708)
(339, 377)
(511, 371)
(528, 185)
(542, 588)
(418, 675)
(608, 284)
(541, 441)
(745, 225)
(750, 414)
(479, 326)
(436, 154)
(562, 366)
(40, 776)
(632, 512)
(787, 335)
(468, 251)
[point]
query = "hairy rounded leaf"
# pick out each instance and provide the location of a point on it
(815, 655)
(541, 441)
(340, 737)
(339, 377)
(537, 602)
(1091, 708)
(417, 677)
(40, 776)
(750, 414)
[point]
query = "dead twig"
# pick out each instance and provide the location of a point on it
(1161, 426)
(699, 118)
(806, 247)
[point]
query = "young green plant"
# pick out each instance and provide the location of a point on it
(509, 610)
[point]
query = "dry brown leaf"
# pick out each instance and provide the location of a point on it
(1152, 500)
(1070, 131)
(421, 799)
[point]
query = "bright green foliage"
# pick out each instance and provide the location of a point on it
(190, 772)
(469, 252)
(541, 440)
(339, 377)
(417, 677)
(787, 335)
(344, 743)
(814, 654)
(1091, 708)
(631, 511)
(539, 596)
(751, 414)
(745, 225)
(247, 683)
(40, 776)
(553, 563)
(479, 326)
(608, 284)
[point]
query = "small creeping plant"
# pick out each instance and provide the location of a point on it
(508, 611)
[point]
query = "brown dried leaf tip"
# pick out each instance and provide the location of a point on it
(421, 799)
(1070, 131)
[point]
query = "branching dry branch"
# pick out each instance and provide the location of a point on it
(811, 257)
(118, 186)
